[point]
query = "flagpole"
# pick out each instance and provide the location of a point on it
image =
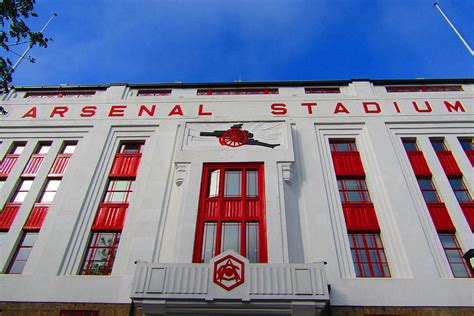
(454, 28)
(30, 45)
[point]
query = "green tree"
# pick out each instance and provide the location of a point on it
(13, 14)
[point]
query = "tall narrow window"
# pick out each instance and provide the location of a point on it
(110, 217)
(22, 190)
(362, 225)
(454, 254)
(459, 189)
(231, 212)
(22, 253)
(9, 161)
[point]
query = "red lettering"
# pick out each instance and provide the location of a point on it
(457, 106)
(310, 106)
(117, 110)
(31, 113)
(373, 110)
(340, 108)
(59, 110)
(428, 107)
(148, 111)
(395, 104)
(176, 110)
(201, 110)
(279, 109)
(88, 111)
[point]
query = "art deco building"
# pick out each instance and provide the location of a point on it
(265, 198)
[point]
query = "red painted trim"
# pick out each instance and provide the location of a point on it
(60, 165)
(440, 217)
(125, 165)
(8, 215)
(7, 164)
(468, 210)
(110, 216)
(33, 165)
(360, 217)
(418, 163)
(448, 163)
(347, 164)
(36, 218)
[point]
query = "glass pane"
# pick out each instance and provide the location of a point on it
(119, 185)
(430, 196)
(351, 184)
(438, 145)
(208, 243)
(366, 269)
(17, 267)
(69, 149)
(53, 185)
(370, 241)
(377, 271)
(410, 146)
(252, 183)
(462, 196)
(425, 184)
(459, 271)
(448, 241)
(214, 183)
(466, 144)
(456, 183)
(29, 239)
(26, 185)
(23, 254)
(131, 148)
(47, 197)
(252, 243)
(362, 255)
(105, 240)
(116, 197)
(44, 149)
(18, 149)
(231, 237)
(20, 197)
(232, 183)
(354, 196)
(101, 254)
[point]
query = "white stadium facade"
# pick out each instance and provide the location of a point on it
(349, 197)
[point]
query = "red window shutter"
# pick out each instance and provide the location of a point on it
(33, 165)
(36, 217)
(347, 164)
(448, 163)
(110, 216)
(60, 165)
(125, 165)
(470, 156)
(418, 163)
(440, 216)
(360, 217)
(8, 215)
(7, 164)
(468, 210)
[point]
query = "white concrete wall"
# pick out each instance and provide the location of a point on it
(304, 215)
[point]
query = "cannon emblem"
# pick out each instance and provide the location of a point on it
(236, 137)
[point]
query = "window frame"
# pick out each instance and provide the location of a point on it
(463, 189)
(344, 193)
(377, 247)
(335, 145)
(458, 251)
(93, 247)
(19, 247)
(218, 219)
(433, 189)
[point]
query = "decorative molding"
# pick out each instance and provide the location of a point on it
(180, 170)
(287, 171)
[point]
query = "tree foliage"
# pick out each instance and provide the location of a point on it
(15, 31)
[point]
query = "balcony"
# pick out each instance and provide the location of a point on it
(243, 287)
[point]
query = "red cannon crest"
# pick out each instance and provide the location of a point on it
(229, 272)
(235, 136)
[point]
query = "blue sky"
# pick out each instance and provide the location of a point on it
(146, 41)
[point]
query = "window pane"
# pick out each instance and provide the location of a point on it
(18, 149)
(448, 240)
(462, 196)
(231, 237)
(232, 183)
(456, 183)
(214, 183)
(208, 243)
(425, 184)
(48, 197)
(44, 149)
(119, 185)
(252, 183)
(26, 185)
(410, 145)
(438, 145)
(252, 252)
(351, 184)
(69, 149)
(20, 197)
(430, 196)
(466, 143)
(354, 196)
(17, 267)
(130, 148)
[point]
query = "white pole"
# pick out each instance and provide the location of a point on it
(31, 44)
(454, 28)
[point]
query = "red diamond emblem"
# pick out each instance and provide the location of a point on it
(229, 272)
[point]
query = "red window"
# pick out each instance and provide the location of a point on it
(62, 160)
(353, 190)
(22, 253)
(454, 254)
(36, 160)
(101, 252)
(78, 313)
(231, 212)
(368, 255)
(468, 146)
(428, 190)
(460, 190)
(10, 159)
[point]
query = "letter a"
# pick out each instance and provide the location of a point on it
(31, 113)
